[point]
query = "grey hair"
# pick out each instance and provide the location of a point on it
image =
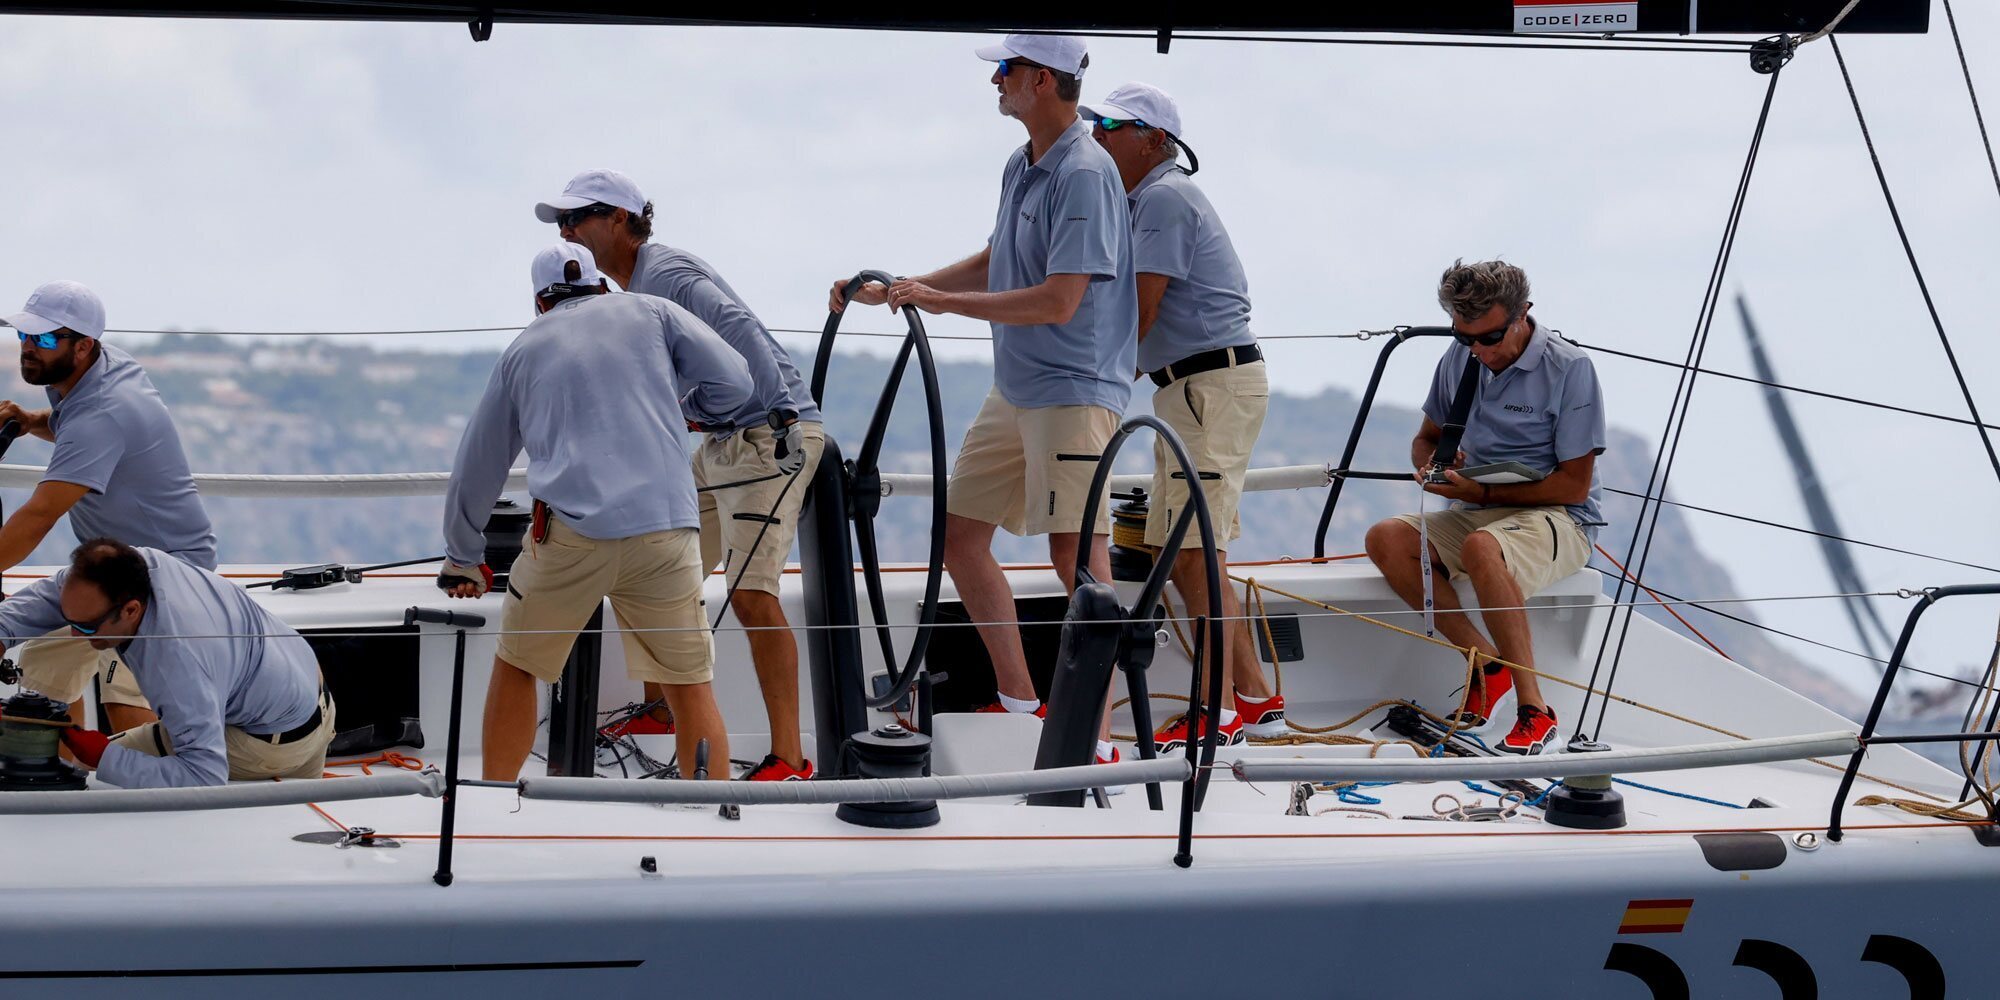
(1468, 291)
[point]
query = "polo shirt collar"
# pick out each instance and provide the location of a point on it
(1538, 346)
(1152, 177)
(85, 385)
(1076, 132)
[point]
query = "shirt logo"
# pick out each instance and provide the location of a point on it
(1028, 217)
(1518, 408)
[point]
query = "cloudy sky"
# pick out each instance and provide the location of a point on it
(287, 176)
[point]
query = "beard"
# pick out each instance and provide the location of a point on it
(34, 371)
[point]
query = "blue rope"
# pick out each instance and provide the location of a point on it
(1351, 794)
(1679, 795)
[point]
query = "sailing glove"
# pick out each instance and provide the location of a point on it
(87, 744)
(453, 574)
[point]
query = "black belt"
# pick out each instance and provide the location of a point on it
(303, 730)
(1206, 361)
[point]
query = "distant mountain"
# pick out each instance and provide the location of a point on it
(316, 406)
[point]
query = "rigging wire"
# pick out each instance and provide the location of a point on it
(1916, 271)
(1972, 93)
(1804, 531)
(1677, 412)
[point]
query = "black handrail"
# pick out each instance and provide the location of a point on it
(1925, 599)
(1345, 470)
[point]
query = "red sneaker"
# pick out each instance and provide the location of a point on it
(1534, 729)
(1113, 759)
(1262, 718)
(642, 724)
(774, 768)
(1481, 701)
(1173, 737)
(1041, 710)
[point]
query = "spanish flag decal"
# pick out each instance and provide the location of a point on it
(1655, 916)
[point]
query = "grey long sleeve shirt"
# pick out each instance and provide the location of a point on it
(248, 669)
(598, 390)
(689, 282)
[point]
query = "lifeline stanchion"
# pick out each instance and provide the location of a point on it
(462, 620)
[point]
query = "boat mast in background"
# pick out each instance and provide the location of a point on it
(1868, 626)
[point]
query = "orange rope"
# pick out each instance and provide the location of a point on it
(1663, 603)
(388, 758)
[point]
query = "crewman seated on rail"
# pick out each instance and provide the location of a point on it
(1537, 403)
(599, 389)
(238, 691)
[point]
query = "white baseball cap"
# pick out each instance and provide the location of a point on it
(594, 187)
(1139, 102)
(551, 267)
(1062, 53)
(1143, 102)
(59, 305)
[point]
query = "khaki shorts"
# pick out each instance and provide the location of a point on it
(60, 665)
(1029, 470)
(251, 758)
(732, 517)
(1540, 544)
(1217, 414)
(653, 580)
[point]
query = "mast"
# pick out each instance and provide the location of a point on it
(1846, 575)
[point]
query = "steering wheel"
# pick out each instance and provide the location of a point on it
(1135, 647)
(864, 494)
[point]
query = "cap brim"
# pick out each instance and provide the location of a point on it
(31, 324)
(1109, 110)
(995, 53)
(546, 211)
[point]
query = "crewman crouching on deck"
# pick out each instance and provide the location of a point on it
(599, 389)
(238, 691)
(1537, 403)
(1195, 344)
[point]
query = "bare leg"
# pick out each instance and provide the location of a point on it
(776, 656)
(509, 731)
(1392, 546)
(1240, 669)
(1496, 588)
(697, 718)
(982, 586)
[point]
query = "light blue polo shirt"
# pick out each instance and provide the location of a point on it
(1176, 234)
(1544, 409)
(1066, 214)
(115, 437)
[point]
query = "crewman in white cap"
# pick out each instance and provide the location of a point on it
(118, 471)
(1055, 281)
(1196, 346)
(756, 464)
(599, 390)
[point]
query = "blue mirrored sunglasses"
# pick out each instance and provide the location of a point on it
(1114, 124)
(91, 629)
(1008, 65)
(45, 341)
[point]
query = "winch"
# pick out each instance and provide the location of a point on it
(31, 725)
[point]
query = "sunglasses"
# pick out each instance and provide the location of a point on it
(1487, 339)
(569, 217)
(45, 341)
(82, 628)
(1114, 124)
(1008, 65)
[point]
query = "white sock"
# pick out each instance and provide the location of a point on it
(1104, 750)
(1228, 716)
(1018, 705)
(1241, 697)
